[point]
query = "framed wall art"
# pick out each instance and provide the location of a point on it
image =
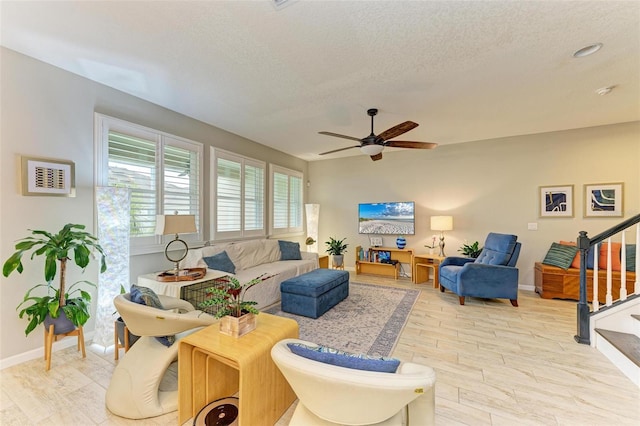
(44, 176)
(556, 201)
(603, 200)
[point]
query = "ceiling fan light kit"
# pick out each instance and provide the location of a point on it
(373, 145)
(371, 149)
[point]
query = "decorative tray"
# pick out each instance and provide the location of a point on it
(189, 274)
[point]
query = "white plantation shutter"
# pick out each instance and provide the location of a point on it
(238, 201)
(253, 197)
(181, 180)
(162, 172)
(132, 164)
(286, 201)
(280, 201)
(228, 196)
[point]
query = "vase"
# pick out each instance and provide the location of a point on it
(237, 326)
(401, 242)
(61, 325)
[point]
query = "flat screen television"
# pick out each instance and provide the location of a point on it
(395, 218)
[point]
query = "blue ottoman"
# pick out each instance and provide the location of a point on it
(314, 293)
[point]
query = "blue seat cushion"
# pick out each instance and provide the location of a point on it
(314, 283)
(345, 359)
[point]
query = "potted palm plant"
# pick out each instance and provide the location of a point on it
(228, 303)
(471, 250)
(70, 243)
(336, 248)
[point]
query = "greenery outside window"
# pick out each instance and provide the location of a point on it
(162, 171)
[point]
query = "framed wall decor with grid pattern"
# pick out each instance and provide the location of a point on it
(50, 177)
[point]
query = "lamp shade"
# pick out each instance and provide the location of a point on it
(175, 224)
(373, 149)
(441, 223)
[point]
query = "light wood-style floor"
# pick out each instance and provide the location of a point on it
(495, 364)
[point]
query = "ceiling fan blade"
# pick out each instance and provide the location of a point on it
(409, 144)
(337, 135)
(398, 130)
(337, 150)
(376, 157)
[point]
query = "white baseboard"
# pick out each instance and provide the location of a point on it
(39, 352)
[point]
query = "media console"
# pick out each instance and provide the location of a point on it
(372, 265)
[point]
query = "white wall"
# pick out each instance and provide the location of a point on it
(487, 186)
(48, 112)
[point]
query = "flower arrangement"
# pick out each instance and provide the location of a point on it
(229, 297)
(433, 242)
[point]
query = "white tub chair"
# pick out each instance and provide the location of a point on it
(134, 391)
(330, 395)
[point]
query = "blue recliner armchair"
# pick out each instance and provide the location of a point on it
(492, 275)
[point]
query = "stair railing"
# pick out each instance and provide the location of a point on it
(585, 243)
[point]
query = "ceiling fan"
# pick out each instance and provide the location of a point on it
(373, 145)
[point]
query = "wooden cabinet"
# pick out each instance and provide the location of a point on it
(323, 261)
(372, 264)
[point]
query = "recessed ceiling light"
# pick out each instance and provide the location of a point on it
(587, 50)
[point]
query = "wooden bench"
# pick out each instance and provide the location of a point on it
(556, 283)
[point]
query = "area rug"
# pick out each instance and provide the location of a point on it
(369, 321)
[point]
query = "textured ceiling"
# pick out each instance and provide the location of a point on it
(464, 71)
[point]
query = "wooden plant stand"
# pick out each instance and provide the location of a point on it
(49, 338)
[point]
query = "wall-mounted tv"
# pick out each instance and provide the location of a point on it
(386, 218)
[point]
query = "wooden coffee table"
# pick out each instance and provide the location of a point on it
(212, 365)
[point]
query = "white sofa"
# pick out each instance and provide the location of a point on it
(253, 258)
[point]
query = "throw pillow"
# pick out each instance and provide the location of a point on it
(560, 255)
(220, 262)
(576, 260)
(289, 250)
(148, 297)
(145, 296)
(603, 257)
(631, 257)
(345, 359)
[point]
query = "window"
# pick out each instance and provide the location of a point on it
(237, 196)
(286, 201)
(162, 171)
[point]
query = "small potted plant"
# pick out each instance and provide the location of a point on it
(70, 243)
(471, 250)
(337, 249)
(433, 245)
(228, 300)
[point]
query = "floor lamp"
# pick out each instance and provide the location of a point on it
(313, 216)
(441, 223)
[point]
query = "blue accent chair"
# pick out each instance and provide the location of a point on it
(492, 275)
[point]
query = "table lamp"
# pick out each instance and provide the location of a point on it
(175, 224)
(441, 223)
